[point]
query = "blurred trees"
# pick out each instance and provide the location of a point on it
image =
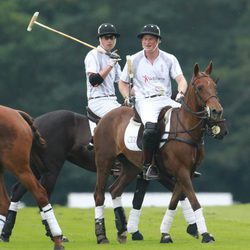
(43, 71)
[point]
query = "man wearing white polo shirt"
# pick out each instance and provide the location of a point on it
(153, 70)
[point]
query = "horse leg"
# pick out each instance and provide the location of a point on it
(48, 181)
(27, 178)
(169, 215)
(18, 190)
(101, 180)
(187, 210)
(187, 186)
(4, 202)
(134, 215)
(129, 173)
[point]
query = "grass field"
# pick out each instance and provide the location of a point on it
(229, 225)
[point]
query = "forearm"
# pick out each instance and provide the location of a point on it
(123, 88)
(182, 84)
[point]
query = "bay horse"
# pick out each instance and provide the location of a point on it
(18, 138)
(177, 158)
(67, 136)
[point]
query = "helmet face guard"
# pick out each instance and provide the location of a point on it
(150, 29)
(107, 29)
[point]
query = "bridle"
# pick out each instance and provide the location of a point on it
(203, 116)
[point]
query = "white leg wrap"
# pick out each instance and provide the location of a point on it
(2, 222)
(99, 212)
(200, 221)
(167, 221)
(117, 202)
(14, 206)
(42, 215)
(133, 220)
(188, 212)
(51, 220)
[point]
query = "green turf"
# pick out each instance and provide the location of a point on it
(229, 225)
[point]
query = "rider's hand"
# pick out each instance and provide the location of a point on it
(114, 55)
(112, 62)
(179, 97)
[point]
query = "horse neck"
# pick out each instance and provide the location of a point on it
(188, 117)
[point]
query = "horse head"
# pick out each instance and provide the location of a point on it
(202, 101)
(205, 90)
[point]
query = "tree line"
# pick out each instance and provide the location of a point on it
(42, 71)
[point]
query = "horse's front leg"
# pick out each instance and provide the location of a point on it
(169, 215)
(187, 186)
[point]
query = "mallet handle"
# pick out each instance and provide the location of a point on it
(63, 34)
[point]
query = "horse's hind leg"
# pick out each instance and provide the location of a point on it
(129, 172)
(101, 180)
(26, 177)
(18, 190)
(134, 215)
(4, 202)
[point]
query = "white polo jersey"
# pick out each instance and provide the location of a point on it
(94, 63)
(150, 80)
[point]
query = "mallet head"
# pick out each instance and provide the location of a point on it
(32, 21)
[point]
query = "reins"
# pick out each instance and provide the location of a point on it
(201, 115)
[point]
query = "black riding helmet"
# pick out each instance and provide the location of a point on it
(107, 29)
(150, 29)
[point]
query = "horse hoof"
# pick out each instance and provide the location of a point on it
(65, 239)
(4, 239)
(104, 241)
(192, 230)
(59, 248)
(122, 238)
(166, 238)
(207, 238)
(137, 236)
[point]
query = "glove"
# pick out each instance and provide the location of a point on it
(112, 62)
(129, 101)
(179, 97)
(101, 49)
(114, 55)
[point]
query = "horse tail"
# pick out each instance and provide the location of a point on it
(38, 140)
(38, 145)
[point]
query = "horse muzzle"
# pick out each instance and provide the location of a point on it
(214, 113)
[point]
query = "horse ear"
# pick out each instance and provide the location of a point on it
(209, 68)
(196, 69)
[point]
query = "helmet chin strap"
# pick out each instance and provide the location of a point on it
(156, 46)
(100, 41)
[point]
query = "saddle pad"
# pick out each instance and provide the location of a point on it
(130, 136)
(131, 133)
(167, 119)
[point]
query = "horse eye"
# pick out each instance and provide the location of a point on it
(200, 88)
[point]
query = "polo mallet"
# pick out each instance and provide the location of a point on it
(34, 21)
(131, 77)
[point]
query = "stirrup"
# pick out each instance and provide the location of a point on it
(150, 172)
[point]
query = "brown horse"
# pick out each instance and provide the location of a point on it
(178, 157)
(17, 136)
